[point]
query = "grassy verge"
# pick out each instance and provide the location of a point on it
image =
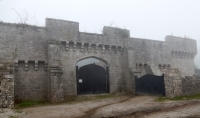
(196, 96)
(74, 99)
(30, 104)
(68, 100)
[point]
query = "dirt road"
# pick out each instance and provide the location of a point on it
(122, 107)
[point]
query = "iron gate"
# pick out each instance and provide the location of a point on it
(150, 84)
(92, 79)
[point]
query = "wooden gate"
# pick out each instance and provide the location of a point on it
(92, 79)
(150, 84)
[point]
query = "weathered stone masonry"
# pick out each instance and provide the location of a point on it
(6, 84)
(45, 65)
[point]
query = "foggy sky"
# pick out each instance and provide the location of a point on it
(150, 19)
(86, 62)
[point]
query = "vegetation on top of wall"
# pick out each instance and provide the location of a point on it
(69, 35)
(25, 18)
(123, 33)
(68, 100)
(31, 103)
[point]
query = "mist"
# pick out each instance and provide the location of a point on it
(145, 19)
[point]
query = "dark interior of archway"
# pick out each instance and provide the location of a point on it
(92, 79)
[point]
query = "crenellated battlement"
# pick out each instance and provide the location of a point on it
(182, 54)
(142, 66)
(164, 66)
(27, 63)
(91, 47)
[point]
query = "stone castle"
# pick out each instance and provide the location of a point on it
(39, 63)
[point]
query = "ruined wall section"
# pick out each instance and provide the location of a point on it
(182, 51)
(173, 82)
(191, 85)
(6, 85)
(176, 85)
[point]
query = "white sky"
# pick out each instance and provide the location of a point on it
(151, 19)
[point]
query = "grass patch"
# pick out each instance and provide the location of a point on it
(1, 111)
(105, 96)
(18, 111)
(30, 104)
(13, 116)
(196, 96)
(75, 99)
(68, 100)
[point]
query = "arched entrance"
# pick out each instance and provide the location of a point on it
(92, 76)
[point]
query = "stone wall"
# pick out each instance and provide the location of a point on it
(29, 42)
(191, 85)
(6, 85)
(182, 51)
(176, 85)
(31, 81)
(174, 51)
(145, 53)
(110, 54)
(42, 51)
(56, 85)
(173, 82)
(149, 51)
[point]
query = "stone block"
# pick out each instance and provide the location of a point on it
(9, 76)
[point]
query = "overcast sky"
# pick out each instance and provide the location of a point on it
(150, 19)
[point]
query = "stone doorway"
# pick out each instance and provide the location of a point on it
(92, 76)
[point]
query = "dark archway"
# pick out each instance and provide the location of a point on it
(92, 77)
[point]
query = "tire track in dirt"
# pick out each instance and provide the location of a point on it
(91, 112)
(119, 107)
(98, 113)
(145, 112)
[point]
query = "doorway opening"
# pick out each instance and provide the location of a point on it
(92, 76)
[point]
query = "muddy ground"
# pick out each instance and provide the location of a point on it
(125, 106)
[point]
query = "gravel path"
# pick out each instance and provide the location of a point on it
(119, 107)
(192, 110)
(78, 110)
